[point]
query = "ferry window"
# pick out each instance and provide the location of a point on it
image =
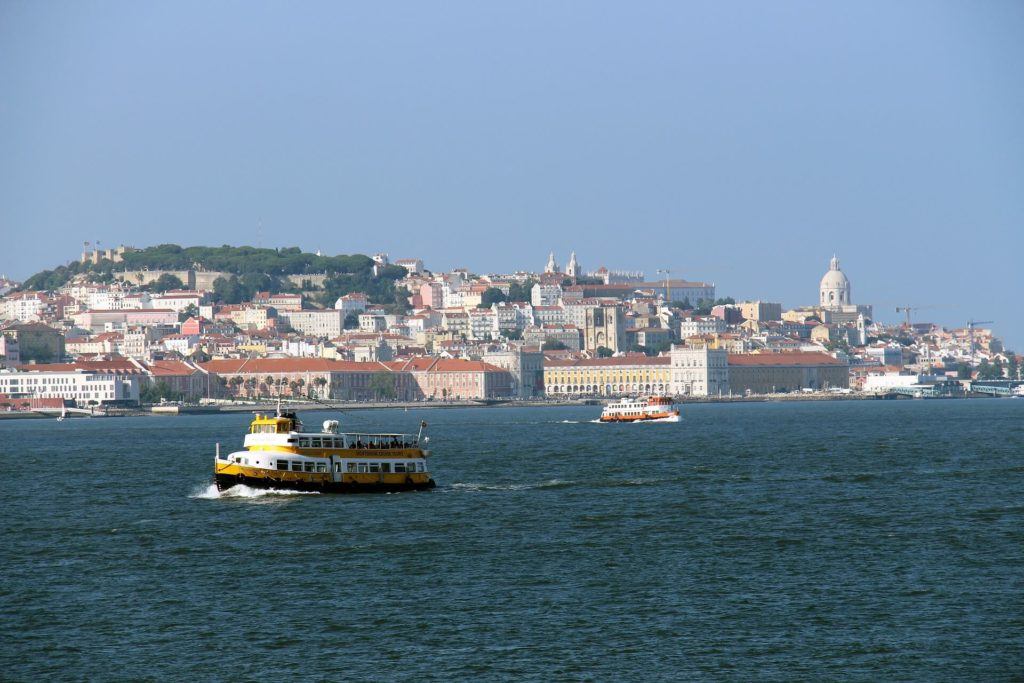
(375, 467)
(363, 467)
(337, 442)
(321, 467)
(310, 466)
(314, 443)
(399, 467)
(282, 464)
(385, 467)
(419, 466)
(303, 443)
(296, 466)
(351, 467)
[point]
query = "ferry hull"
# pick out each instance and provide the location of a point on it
(640, 418)
(226, 481)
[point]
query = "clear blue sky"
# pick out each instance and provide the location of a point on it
(738, 142)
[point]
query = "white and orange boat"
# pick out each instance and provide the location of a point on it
(658, 408)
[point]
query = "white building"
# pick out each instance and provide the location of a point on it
(545, 295)
(84, 387)
(26, 307)
(699, 372)
(692, 327)
(354, 304)
(327, 323)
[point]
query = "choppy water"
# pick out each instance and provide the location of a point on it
(846, 540)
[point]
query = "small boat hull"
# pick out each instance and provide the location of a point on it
(652, 417)
(226, 481)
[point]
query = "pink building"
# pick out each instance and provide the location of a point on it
(431, 295)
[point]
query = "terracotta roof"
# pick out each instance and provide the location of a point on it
(170, 367)
(286, 365)
(116, 366)
(788, 359)
(609, 362)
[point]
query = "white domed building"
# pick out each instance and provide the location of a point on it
(834, 291)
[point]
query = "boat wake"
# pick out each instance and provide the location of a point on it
(210, 492)
(549, 484)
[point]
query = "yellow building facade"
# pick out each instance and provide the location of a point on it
(649, 376)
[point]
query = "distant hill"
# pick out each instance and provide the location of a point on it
(253, 269)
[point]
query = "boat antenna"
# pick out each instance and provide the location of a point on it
(423, 425)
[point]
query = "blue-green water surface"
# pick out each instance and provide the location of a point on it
(787, 541)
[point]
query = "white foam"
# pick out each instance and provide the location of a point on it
(242, 491)
(473, 486)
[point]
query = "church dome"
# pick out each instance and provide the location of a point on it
(835, 286)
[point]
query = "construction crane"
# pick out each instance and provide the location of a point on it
(908, 309)
(971, 324)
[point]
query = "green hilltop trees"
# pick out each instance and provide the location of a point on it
(250, 270)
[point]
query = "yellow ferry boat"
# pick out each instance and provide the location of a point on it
(637, 410)
(279, 454)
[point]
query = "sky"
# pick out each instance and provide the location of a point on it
(741, 143)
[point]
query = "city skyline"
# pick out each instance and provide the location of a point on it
(743, 146)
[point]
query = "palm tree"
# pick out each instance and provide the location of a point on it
(320, 382)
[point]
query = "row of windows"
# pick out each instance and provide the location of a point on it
(352, 467)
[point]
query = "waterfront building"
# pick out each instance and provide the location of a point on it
(629, 375)
(526, 366)
(763, 373)
(85, 383)
(701, 371)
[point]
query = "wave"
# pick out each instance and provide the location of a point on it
(210, 492)
(474, 486)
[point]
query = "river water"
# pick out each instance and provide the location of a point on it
(870, 540)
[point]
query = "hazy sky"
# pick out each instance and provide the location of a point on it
(736, 142)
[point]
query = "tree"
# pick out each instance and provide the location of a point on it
(320, 382)
(157, 391)
(604, 352)
(492, 295)
(190, 311)
(383, 385)
(1012, 365)
(553, 345)
(166, 282)
(520, 292)
(351, 321)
